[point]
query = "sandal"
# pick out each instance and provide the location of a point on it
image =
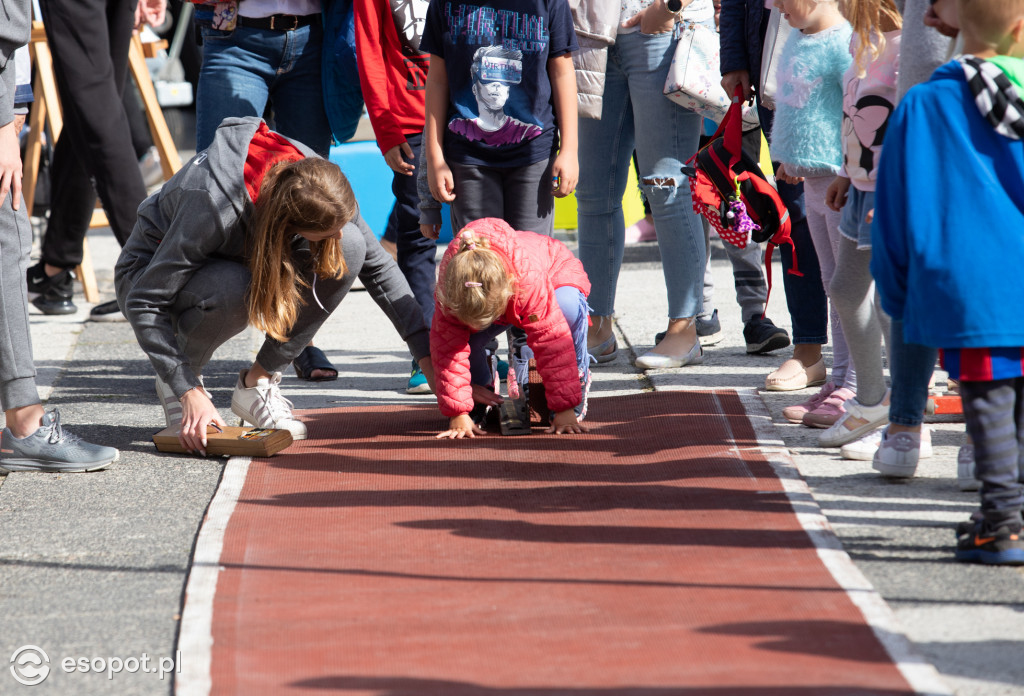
(312, 358)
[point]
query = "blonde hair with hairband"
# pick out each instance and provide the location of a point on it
(476, 286)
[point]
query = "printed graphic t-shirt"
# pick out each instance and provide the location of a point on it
(500, 111)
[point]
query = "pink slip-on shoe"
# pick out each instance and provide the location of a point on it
(641, 231)
(830, 410)
(795, 413)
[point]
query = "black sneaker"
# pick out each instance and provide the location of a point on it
(709, 330)
(108, 311)
(978, 544)
(762, 336)
(51, 294)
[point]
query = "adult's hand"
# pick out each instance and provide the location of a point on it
(656, 18)
(485, 396)
(10, 164)
(150, 12)
(737, 77)
(941, 16)
(396, 158)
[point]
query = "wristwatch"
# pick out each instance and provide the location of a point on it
(674, 6)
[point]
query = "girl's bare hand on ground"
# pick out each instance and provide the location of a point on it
(565, 422)
(460, 427)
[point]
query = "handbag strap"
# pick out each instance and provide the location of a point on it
(732, 127)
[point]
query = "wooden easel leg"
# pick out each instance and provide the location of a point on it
(87, 275)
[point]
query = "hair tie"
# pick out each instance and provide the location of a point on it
(467, 238)
(470, 284)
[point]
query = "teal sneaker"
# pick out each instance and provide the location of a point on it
(417, 381)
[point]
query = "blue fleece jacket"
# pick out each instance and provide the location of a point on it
(948, 235)
(806, 135)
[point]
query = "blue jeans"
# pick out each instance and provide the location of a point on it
(245, 69)
(574, 307)
(637, 115)
(910, 369)
(415, 252)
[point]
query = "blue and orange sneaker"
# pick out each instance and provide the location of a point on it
(977, 544)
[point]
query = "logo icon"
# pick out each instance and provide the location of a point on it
(30, 665)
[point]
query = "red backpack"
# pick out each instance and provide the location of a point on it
(730, 191)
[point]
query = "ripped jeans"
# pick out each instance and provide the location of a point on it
(636, 114)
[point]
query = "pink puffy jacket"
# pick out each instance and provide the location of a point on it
(539, 265)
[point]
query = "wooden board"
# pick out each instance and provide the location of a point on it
(234, 441)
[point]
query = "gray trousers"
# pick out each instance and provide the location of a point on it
(521, 196)
(210, 309)
(17, 369)
(747, 274)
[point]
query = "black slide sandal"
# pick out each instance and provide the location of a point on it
(312, 358)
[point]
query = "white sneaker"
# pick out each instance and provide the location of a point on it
(965, 469)
(264, 407)
(863, 450)
(898, 454)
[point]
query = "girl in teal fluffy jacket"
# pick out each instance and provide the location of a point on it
(806, 140)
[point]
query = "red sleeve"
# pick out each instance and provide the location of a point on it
(370, 16)
(548, 335)
(449, 352)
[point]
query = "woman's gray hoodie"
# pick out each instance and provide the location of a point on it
(202, 212)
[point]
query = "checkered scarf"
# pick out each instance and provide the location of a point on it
(996, 97)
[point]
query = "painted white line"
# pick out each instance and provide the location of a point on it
(919, 673)
(195, 640)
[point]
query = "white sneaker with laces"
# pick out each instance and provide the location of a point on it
(264, 406)
(898, 454)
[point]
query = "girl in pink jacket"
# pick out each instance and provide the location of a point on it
(490, 278)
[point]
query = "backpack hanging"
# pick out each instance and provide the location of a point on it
(728, 188)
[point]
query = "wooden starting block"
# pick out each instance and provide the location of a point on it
(233, 442)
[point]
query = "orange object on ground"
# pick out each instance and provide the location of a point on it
(659, 554)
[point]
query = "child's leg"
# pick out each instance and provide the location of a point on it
(480, 371)
(994, 412)
(910, 367)
(823, 224)
(574, 307)
(416, 253)
(853, 295)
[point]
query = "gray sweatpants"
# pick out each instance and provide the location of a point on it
(17, 369)
(747, 274)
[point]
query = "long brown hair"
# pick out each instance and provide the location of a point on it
(476, 285)
(870, 19)
(307, 195)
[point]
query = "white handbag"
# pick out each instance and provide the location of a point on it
(694, 79)
(774, 39)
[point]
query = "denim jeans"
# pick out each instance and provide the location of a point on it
(637, 115)
(415, 252)
(245, 69)
(574, 307)
(910, 369)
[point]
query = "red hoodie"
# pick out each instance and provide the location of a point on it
(392, 70)
(539, 265)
